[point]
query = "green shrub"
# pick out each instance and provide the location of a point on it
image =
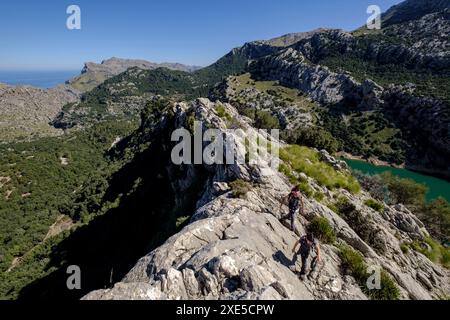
(265, 120)
(314, 137)
(405, 191)
(222, 113)
(304, 187)
(303, 159)
(353, 262)
(240, 188)
(436, 217)
(404, 247)
(344, 206)
(181, 222)
(389, 289)
(319, 196)
(393, 190)
(438, 253)
(375, 205)
(361, 224)
(322, 229)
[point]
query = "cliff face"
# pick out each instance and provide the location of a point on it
(241, 248)
(401, 71)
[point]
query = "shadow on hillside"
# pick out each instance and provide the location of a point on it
(110, 245)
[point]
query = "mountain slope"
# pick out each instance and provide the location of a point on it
(412, 10)
(94, 74)
(237, 246)
(26, 111)
(374, 87)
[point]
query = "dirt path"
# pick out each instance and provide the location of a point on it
(61, 224)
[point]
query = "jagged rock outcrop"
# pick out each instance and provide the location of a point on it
(292, 69)
(240, 248)
(423, 119)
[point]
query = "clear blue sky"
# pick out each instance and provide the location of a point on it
(34, 34)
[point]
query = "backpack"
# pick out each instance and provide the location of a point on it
(305, 246)
(294, 201)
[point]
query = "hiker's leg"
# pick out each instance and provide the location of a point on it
(292, 220)
(294, 260)
(304, 264)
(313, 264)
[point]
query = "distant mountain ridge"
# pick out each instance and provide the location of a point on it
(290, 38)
(397, 76)
(26, 111)
(412, 10)
(94, 74)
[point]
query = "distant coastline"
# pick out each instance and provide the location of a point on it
(38, 79)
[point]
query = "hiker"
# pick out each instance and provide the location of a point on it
(307, 243)
(294, 201)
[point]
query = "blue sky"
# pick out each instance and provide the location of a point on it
(197, 32)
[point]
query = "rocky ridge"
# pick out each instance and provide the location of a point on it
(94, 74)
(300, 66)
(241, 248)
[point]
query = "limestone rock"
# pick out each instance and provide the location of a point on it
(239, 248)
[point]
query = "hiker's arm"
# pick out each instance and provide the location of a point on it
(302, 205)
(318, 252)
(295, 246)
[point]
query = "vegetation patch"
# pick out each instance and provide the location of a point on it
(322, 229)
(375, 205)
(240, 188)
(305, 160)
(433, 251)
(394, 190)
(361, 224)
(182, 222)
(353, 263)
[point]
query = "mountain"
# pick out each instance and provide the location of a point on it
(413, 10)
(94, 74)
(217, 232)
(290, 38)
(373, 91)
(237, 245)
(26, 111)
(109, 198)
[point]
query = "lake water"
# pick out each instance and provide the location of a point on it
(437, 187)
(39, 79)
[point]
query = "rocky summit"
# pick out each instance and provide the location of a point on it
(241, 248)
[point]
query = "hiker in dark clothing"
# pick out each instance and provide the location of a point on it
(307, 243)
(294, 201)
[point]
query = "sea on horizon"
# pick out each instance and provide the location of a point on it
(39, 79)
